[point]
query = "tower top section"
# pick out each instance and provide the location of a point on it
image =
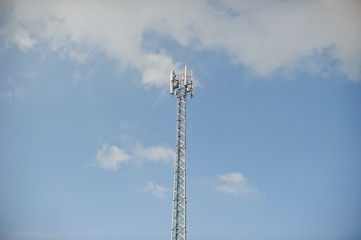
(180, 84)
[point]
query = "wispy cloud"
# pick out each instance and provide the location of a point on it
(112, 157)
(235, 183)
(22, 39)
(15, 90)
(76, 76)
(155, 190)
(61, 236)
(265, 36)
(154, 154)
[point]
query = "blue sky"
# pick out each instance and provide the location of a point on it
(87, 143)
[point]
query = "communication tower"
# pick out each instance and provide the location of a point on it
(180, 86)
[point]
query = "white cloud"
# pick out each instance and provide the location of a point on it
(156, 66)
(156, 190)
(110, 157)
(235, 183)
(265, 36)
(154, 154)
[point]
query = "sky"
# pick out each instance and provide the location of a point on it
(88, 127)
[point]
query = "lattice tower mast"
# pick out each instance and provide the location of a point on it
(180, 86)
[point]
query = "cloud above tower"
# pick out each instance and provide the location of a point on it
(264, 36)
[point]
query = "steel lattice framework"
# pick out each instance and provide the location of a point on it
(180, 86)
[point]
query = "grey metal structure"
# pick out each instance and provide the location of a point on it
(180, 86)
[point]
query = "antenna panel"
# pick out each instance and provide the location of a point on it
(171, 82)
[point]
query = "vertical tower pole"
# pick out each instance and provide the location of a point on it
(180, 86)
